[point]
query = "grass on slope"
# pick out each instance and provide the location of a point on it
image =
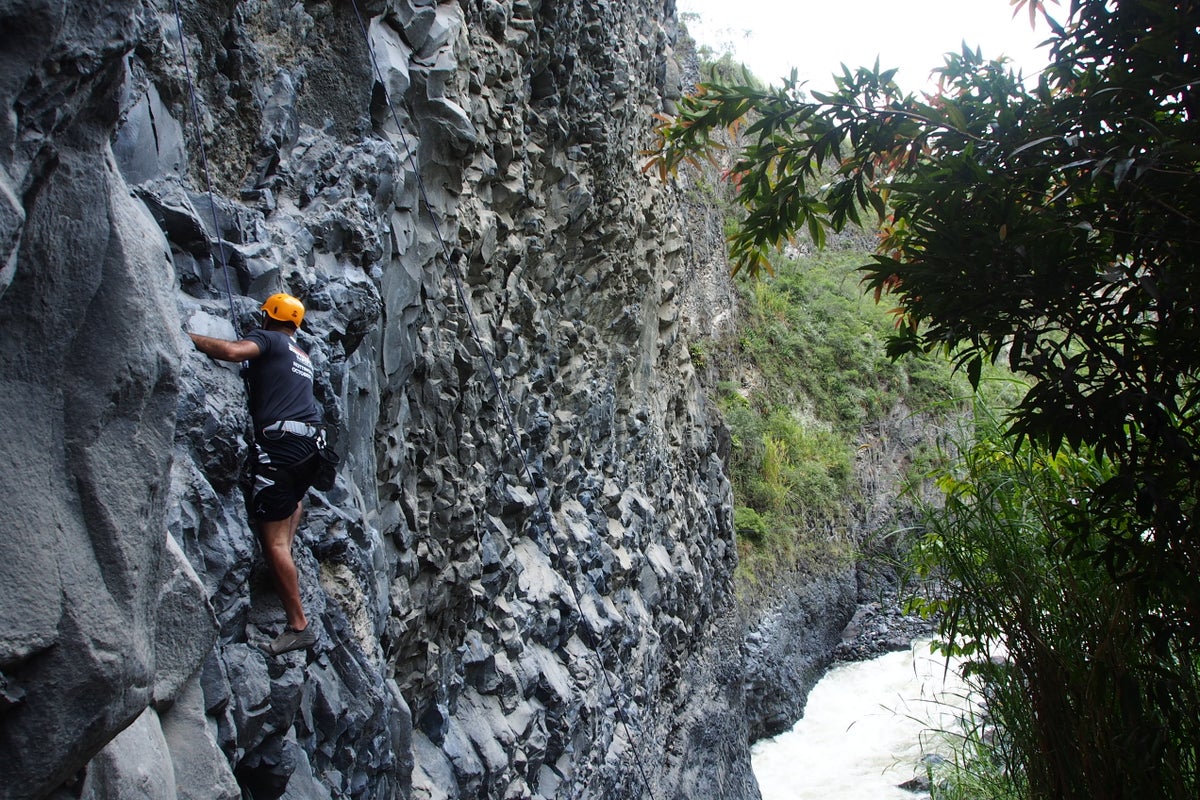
(807, 371)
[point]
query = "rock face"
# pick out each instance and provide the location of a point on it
(522, 578)
(792, 632)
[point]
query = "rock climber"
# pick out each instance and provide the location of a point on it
(287, 425)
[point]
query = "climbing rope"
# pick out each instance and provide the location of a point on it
(212, 203)
(503, 397)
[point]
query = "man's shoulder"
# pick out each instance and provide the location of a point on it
(266, 340)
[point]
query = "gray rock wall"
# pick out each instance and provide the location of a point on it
(89, 381)
(522, 579)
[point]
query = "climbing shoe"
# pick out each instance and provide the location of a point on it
(292, 640)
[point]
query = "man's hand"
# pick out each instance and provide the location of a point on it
(225, 350)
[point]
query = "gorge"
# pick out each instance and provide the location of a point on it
(523, 579)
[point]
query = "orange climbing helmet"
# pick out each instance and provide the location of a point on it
(284, 308)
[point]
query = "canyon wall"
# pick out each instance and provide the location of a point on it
(522, 579)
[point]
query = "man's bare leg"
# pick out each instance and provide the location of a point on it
(277, 538)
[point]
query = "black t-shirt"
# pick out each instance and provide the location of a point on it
(280, 381)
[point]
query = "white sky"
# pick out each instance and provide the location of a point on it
(816, 36)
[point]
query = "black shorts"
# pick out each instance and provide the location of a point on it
(283, 470)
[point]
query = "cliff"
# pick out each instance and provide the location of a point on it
(522, 578)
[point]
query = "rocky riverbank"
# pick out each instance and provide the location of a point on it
(880, 627)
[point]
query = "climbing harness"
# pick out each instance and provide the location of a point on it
(298, 428)
(504, 404)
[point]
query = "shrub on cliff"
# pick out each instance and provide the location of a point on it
(807, 371)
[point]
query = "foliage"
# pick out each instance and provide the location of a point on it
(750, 524)
(972, 771)
(1088, 699)
(821, 342)
(811, 345)
(1052, 225)
(725, 69)
(717, 65)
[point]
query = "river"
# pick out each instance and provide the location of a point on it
(865, 728)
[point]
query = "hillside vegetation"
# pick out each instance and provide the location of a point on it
(805, 372)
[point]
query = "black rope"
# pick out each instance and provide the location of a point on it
(212, 203)
(502, 396)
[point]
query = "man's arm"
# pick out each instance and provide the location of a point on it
(225, 350)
